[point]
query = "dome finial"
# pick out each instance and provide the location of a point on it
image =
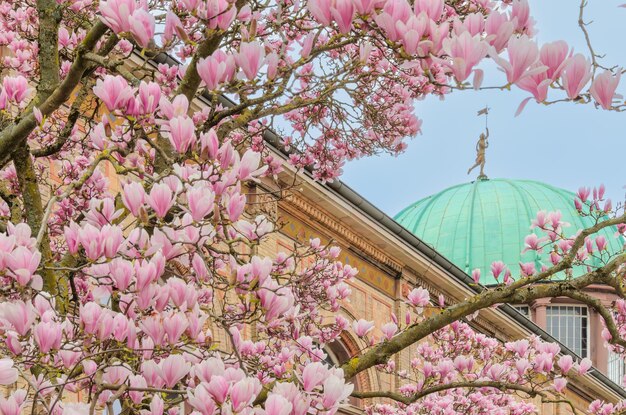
(481, 146)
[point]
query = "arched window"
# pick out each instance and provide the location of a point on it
(336, 355)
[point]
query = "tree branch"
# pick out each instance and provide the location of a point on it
(75, 111)
(33, 207)
(407, 400)
(48, 39)
(15, 133)
(191, 81)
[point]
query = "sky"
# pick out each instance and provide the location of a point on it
(566, 145)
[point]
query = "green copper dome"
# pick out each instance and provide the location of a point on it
(477, 223)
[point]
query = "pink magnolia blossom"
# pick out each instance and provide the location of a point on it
(273, 62)
(236, 205)
(174, 326)
(496, 268)
(465, 51)
(133, 197)
(142, 26)
(335, 390)
(200, 201)
(216, 69)
(153, 327)
(220, 14)
(8, 373)
(566, 363)
(201, 400)
(389, 330)
(13, 404)
(277, 405)
(250, 58)
(156, 405)
(537, 84)
(496, 371)
(520, 14)
(19, 315)
(15, 88)
(499, 30)
(559, 384)
(313, 375)
(173, 25)
(432, 8)
(89, 367)
(342, 12)
(249, 166)
(584, 366)
(362, 327)
(601, 243)
(172, 369)
(603, 88)
(161, 199)
(244, 392)
(476, 275)
(89, 316)
(23, 263)
(419, 297)
(576, 74)
(521, 347)
(554, 56)
(149, 97)
(365, 6)
(320, 9)
(47, 336)
(116, 14)
(182, 133)
(543, 362)
(137, 381)
(275, 301)
(178, 107)
(218, 387)
(523, 53)
(522, 365)
(113, 91)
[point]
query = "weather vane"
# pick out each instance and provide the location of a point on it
(481, 146)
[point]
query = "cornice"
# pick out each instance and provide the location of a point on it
(299, 206)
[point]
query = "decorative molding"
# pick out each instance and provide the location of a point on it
(264, 203)
(299, 206)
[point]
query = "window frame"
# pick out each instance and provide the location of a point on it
(613, 365)
(518, 307)
(587, 327)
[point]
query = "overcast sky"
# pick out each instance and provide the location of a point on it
(566, 145)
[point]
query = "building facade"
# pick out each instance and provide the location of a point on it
(392, 260)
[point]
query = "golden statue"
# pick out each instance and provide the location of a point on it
(481, 146)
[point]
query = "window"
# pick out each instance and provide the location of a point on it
(568, 324)
(336, 354)
(616, 368)
(523, 310)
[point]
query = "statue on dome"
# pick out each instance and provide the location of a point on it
(481, 146)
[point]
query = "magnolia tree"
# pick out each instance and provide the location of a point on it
(150, 296)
